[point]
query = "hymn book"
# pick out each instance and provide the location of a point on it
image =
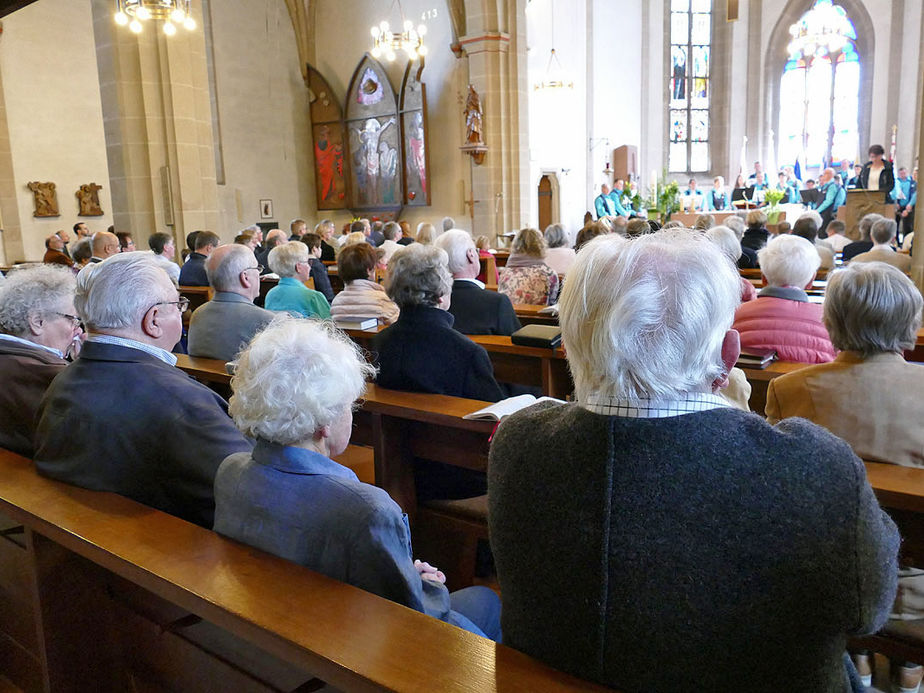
(356, 323)
(500, 410)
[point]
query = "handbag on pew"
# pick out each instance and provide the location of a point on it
(543, 336)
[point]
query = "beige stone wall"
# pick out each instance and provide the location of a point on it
(263, 115)
(53, 117)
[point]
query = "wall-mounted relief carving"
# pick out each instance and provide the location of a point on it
(88, 197)
(46, 199)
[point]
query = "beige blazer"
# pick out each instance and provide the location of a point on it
(874, 404)
(903, 262)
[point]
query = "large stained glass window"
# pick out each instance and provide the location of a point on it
(819, 89)
(690, 86)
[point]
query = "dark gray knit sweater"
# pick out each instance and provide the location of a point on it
(706, 552)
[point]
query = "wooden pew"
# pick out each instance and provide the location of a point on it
(103, 570)
(529, 314)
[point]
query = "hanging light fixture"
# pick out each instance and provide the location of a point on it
(388, 43)
(823, 30)
(555, 76)
(133, 13)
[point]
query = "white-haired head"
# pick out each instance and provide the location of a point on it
(34, 292)
(294, 378)
(789, 261)
(459, 247)
(648, 317)
(418, 276)
(225, 265)
(115, 294)
(283, 258)
(727, 241)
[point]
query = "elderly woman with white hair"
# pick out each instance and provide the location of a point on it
(422, 352)
(558, 256)
(782, 319)
(292, 262)
(295, 387)
(38, 327)
(703, 554)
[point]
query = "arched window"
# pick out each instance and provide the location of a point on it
(690, 86)
(819, 89)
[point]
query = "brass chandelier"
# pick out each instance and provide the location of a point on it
(134, 13)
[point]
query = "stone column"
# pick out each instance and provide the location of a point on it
(495, 44)
(157, 120)
(917, 260)
(11, 247)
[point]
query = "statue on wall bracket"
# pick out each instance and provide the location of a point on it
(474, 123)
(88, 199)
(46, 200)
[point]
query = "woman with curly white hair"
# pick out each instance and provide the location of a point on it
(295, 386)
(38, 326)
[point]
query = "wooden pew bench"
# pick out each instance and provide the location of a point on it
(124, 597)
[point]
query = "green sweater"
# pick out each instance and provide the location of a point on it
(293, 296)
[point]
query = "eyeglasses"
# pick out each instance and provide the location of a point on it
(75, 320)
(181, 305)
(259, 268)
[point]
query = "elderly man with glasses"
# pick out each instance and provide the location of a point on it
(220, 328)
(122, 417)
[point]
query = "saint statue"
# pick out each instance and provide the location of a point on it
(473, 117)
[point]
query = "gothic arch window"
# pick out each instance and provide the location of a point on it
(820, 88)
(690, 85)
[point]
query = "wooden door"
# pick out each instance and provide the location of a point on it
(545, 202)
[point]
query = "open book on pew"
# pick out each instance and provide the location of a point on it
(755, 359)
(549, 310)
(506, 407)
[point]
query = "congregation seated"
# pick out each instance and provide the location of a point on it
(700, 566)
(748, 257)
(38, 326)
(558, 255)
(865, 226)
(193, 272)
(54, 252)
(421, 352)
(294, 389)
(126, 242)
(475, 310)
(361, 296)
(426, 233)
(725, 239)
(325, 229)
(392, 234)
(756, 236)
(163, 250)
(82, 252)
(837, 239)
(807, 227)
(222, 326)
(526, 278)
(704, 222)
(122, 417)
(291, 261)
(782, 319)
(318, 269)
(882, 234)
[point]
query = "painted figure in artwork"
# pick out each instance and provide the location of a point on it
(388, 167)
(473, 117)
(369, 139)
(418, 154)
(329, 160)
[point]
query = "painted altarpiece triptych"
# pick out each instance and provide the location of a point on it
(372, 155)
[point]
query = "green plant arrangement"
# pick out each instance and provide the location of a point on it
(773, 199)
(664, 199)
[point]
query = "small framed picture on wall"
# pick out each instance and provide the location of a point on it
(266, 209)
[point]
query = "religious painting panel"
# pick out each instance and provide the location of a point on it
(374, 139)
(331, 166)
(678, 75)
(414, 137)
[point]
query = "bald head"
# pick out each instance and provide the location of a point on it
(105, 245)
(233, 269)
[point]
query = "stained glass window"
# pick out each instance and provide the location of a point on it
(819, 89)
(690, 87)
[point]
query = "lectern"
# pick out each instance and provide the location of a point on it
(861, 202)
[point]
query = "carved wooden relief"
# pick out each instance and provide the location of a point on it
(374, 139)
(88, 199)
(46, 199)
(331, 165)
(414, 137)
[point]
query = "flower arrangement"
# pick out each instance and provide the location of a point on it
(773, 199)
(664, 198)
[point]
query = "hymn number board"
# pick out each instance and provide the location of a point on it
(371, 156)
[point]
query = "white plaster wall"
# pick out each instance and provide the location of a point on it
(51, 88)
(909, 104)
(557, 119)
(342, 39)
(263, 112)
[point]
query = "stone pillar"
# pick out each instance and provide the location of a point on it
(11, 247)
(157, 120)
(917, 260)
(495, 44)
